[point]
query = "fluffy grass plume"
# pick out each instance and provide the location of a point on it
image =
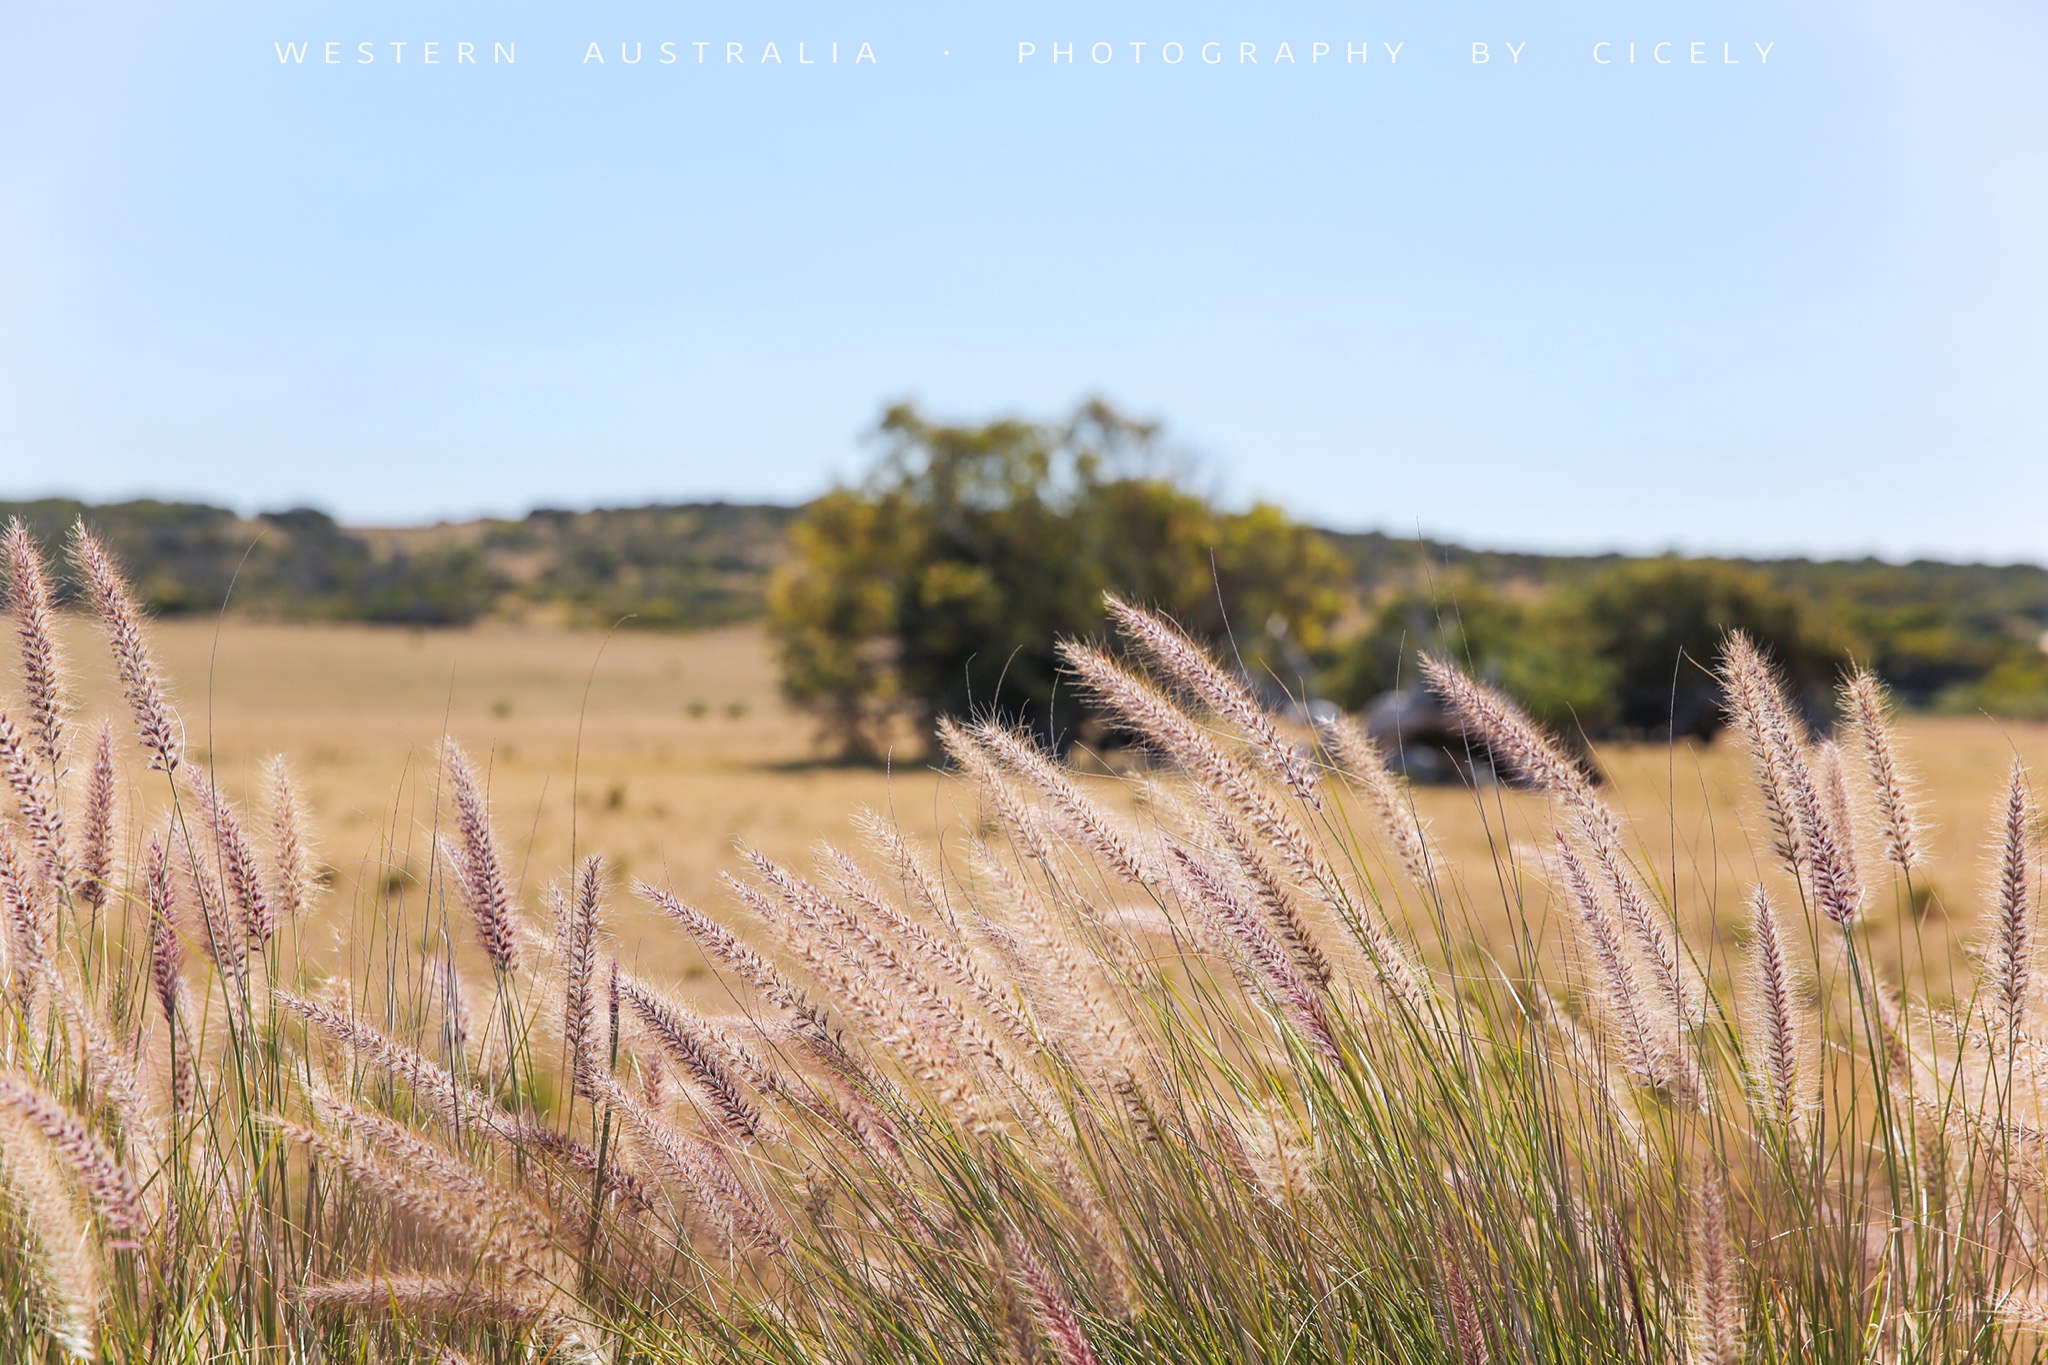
(1226, 1079)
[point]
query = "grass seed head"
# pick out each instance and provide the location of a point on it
(1190, 666)
(43, 682)
(95, 872)
(473, 857)
(1866, 702)
(2011, 956)
(1361, 760)
(155, 723)
(292, 850)
(241, 878)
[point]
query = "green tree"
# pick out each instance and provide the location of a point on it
(1534, 646)
(1659, 625)
(1627, 651)
(939, 585)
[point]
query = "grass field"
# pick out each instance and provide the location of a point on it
(684, 744)
(1084, 1096)
(681, 745)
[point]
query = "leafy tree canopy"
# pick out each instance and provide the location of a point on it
(940, 584)
(1629, 649)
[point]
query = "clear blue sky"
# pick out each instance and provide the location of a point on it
(1795, 305)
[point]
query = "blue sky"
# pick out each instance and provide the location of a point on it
(1788, 305)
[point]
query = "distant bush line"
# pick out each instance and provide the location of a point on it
(684, 566)
(1556, 629)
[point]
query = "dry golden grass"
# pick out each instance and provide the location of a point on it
(1208, 1086)
(1694, 809)
(685, 744)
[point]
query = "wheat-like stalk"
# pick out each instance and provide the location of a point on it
(1716, 1291)
(166, 965)
(1182, 739)
(1020, 821)
(1654, 1059)
(1187, 664)
(1282, 977)
(576, 923)
(113, 1075)
(477, 866)
(528, 1140)
(1793, 802)
(105, 1181)
(292, 850)
(1468, 1328)
(1361, 760)
(1241, 846)
(24, 907)
(1102, 831)
(1510, 736)
(2011, 956)
(35, 796)
(502, 1215)
(724, 1046)
(225, 940)
(1179, 737)
(95, 871)
(1051, 1306)
(444, 1297)
(1065, 991)
(701, 1170)
(875, 1001)
(922, 886)
(236, 857)
(1768, 731)
(723, 946)
(1532, 755)
(683, 1039)
(904, 980)
(43, 682)
(461, 1301)
(1678, 982)
(52, 1249)
(1840, 812)
(480, 1229)
(1589, 1061)
(155, 723)
(953, 956)
(1865, 700)
(1778, 1031)
(461, 1104)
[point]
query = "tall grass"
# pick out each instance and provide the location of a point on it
(1227, 1080)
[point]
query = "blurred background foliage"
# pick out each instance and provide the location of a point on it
(941, 585)
(1625, 649)
(688, 566)
(935, 584)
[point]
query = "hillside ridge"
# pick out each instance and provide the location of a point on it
(691, 565)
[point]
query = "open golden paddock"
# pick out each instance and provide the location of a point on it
(685, 743)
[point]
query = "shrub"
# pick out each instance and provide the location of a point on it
(1535, 647)
(1627, 651)
(1658, 625)
(2016, 688)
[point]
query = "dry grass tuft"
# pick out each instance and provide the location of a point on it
(1207, 1075)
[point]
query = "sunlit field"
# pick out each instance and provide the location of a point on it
(660, 749)
(1232, 1058)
